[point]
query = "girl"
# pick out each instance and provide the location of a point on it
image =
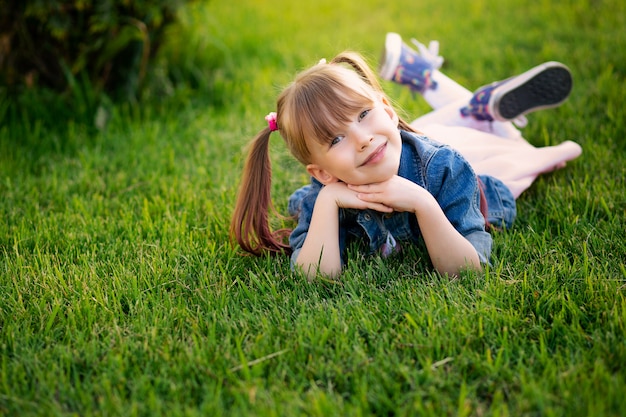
(375, 178)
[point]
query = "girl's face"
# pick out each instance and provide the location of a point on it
(367, 150)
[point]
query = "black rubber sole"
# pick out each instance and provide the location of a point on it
(545, 89)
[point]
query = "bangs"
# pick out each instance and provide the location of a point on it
(325, 113)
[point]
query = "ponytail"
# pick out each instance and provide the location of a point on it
(358, 64)
(250, 221)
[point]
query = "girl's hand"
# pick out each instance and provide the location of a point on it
(397, 193)
(345, 197)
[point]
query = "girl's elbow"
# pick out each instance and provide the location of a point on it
(454, 269)
(312, 270)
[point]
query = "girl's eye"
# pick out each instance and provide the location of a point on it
(363, 114)
(336, 140)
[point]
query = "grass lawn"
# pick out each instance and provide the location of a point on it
(121, 295)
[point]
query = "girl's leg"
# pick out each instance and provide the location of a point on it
(515, 162)
(491, 107)
(449, 115)
(419, 71)
(447, 91)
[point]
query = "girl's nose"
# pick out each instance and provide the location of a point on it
(365, 141)
(361, 137)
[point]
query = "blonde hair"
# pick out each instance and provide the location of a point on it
(313, 107)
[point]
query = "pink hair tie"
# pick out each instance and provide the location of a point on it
(271, 121)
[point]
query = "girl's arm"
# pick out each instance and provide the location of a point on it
(321, 252)
(448, 250)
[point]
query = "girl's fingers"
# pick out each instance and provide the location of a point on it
(374, 203)
(381, 207)
(369, 197)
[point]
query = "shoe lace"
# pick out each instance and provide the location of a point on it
(430, 53)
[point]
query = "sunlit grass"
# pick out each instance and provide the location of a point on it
(121, 294)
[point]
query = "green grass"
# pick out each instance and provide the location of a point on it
(121, 295)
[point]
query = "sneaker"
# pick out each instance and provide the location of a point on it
(402, 64)
(542, 87)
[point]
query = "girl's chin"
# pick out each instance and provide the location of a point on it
(372, 180)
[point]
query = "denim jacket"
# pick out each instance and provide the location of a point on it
(440, 170)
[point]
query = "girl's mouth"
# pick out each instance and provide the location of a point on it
(376, 156)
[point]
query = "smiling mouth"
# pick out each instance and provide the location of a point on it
(376, 155)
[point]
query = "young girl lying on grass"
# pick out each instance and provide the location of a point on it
(379, 179)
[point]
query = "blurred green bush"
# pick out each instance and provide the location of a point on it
(50, 43)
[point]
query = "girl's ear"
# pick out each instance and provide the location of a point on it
(321, 174)
(389, 109)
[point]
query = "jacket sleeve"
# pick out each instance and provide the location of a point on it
(452, 181)
(301, 204)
